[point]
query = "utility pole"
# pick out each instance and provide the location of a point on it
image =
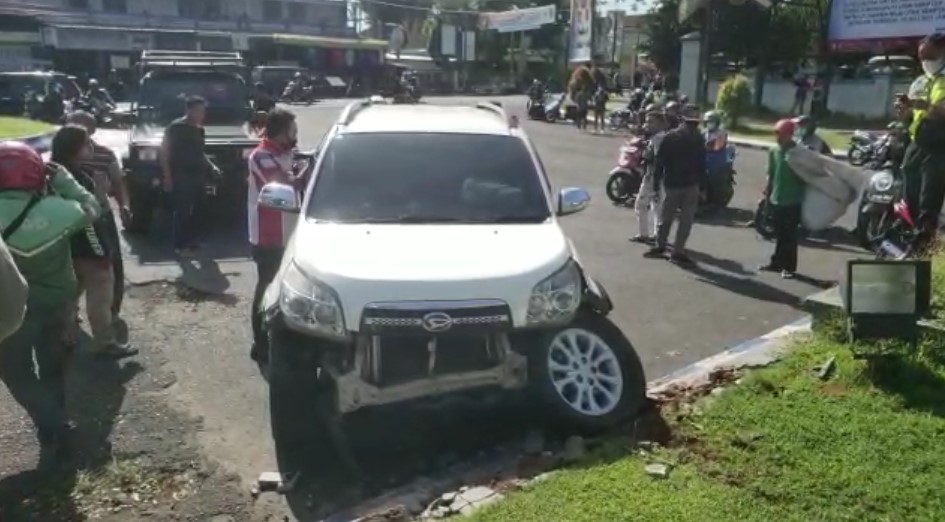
(702, 97)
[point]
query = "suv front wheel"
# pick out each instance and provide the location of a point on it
(588, 373)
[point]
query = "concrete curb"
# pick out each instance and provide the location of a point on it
(40, 142)
(759, 351)
(765, 146)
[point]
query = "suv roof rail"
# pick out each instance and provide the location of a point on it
(205, 60)
(353, 108)
(496, 108)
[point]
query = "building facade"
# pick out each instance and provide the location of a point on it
(95, 36)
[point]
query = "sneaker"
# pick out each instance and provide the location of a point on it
(655, 252)
(645, 240)
(787, 274)
(116, 351)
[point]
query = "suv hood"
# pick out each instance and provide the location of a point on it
(219, 133)
(374, 263)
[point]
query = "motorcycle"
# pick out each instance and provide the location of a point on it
(621, 119)
(553, 110)
(863, 147)
(876, 212)
(623, 182)
(536, 107)
(898, 240)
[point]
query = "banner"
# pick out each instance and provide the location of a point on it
(885, 19)
(518, 19)
(581, 39)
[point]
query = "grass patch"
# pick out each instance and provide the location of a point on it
(782, 445)
(11, 127)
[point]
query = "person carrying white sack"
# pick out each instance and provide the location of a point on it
(646, 205)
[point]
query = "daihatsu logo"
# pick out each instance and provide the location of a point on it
(437, 322)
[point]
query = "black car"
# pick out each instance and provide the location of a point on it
(16, 87)
(229, 137)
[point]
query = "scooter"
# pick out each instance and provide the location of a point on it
(536, 108)
(553, 110)
(623, 182)
(718, 189)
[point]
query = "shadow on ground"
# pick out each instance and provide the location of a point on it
(96, 389)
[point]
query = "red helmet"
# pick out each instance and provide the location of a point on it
(21, 167)
(785, 128)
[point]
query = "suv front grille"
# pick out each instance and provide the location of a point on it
(412, 318)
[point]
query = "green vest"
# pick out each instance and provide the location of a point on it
(930, 89)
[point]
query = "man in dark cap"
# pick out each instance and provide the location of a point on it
(186, 168)
(677, 172)
(924, 163)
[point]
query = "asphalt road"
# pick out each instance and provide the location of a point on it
(673, 316)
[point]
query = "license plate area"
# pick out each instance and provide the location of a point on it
(405, 358)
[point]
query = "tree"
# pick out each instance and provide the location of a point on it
(663, 31)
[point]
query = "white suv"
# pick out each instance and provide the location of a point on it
(428, 259)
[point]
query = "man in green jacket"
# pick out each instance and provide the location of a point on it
(785, 194)
(13, 304)
(39, 387)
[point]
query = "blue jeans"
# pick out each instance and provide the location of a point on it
(39, 388)
(184, 198)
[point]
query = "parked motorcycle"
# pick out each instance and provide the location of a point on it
(555, 109)
(536, 108)
(866, 146)
(623, 182)
(898, 239)
(876, 212)
(621, 119)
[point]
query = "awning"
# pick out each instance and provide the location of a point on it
(328, 41)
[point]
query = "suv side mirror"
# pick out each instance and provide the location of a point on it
(572, 200)
(281, 197)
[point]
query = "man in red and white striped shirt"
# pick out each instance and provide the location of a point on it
(269, 229)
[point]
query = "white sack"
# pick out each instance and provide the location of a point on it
(831, 186)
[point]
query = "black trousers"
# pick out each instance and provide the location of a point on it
(786, 220)
(924, 176)
(267, 265)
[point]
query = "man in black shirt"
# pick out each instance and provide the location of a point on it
(185, 168)
(678, 170)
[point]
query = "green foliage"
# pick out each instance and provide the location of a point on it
(734, 99)
(663, 28)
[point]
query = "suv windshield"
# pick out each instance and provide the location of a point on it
(427, 178)
(161, 98)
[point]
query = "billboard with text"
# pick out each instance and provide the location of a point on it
(862, 21)
(581, 38)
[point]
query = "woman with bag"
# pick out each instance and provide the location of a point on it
(40, 208)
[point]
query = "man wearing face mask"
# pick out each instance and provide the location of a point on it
(269, 229)
(924, 162)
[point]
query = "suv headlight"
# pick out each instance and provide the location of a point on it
(148, 154)
(882, 181)
(555, 300)
(309, 304)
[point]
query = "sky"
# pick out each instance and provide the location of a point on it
(628, 6)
